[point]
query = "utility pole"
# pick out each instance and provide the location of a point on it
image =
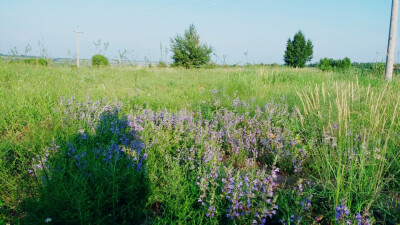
(77, 47)
(392, 41)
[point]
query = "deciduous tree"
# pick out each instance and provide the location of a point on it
(298, 51)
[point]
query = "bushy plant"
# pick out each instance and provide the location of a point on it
(162, 64)
(325, 64)
(379, 68)
(211, 65)
(328, 64)
(37, 61)
(99, 60)
(298, 51)
(346, 63)
(188, 51)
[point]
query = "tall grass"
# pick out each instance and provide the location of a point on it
(358, 154)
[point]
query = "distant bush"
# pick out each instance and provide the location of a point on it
(327, 64)
(162, 64)
(275, 65)
(211, 65)
(379, 68)
(37, 61)
(346, 63)
(99, 60)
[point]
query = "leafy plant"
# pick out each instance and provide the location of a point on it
(37, 61)
(99, 60)
(326, 64)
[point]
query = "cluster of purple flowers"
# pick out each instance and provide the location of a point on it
(121, 142)
(89, 111)
(41, 162)
(342, 215)
(115, 141)
(299, 158)
(227, 150)
(225, 135)
(78, 158)
(228, 138)
(208, 186)
(301, 213)
(250, 194)
(362, 219)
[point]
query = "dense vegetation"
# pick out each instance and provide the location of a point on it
(37, 61)
(99, 60)
(326, 64)
(255, 144)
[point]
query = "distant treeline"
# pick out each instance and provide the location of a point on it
(327, 64)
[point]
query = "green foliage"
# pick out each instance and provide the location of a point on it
(379, 68)
(298, 51)
(37, 61)
(211, 65)
(327, 64)
(188, 51)
(99, 60)
(346, 63)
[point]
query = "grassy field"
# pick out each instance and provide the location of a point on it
(237, 145)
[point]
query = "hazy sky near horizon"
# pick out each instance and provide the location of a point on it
(338, 28)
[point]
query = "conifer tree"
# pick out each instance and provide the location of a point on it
(188, 51)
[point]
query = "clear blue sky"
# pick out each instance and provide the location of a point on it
(338, 28)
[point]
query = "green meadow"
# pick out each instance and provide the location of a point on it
(139, 145)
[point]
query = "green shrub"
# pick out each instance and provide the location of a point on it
(37, 61)
(275, 65)
(346, 63)
(99, 60)
(212, 65)
(378, 68)
(162, 64)
(327, 64)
